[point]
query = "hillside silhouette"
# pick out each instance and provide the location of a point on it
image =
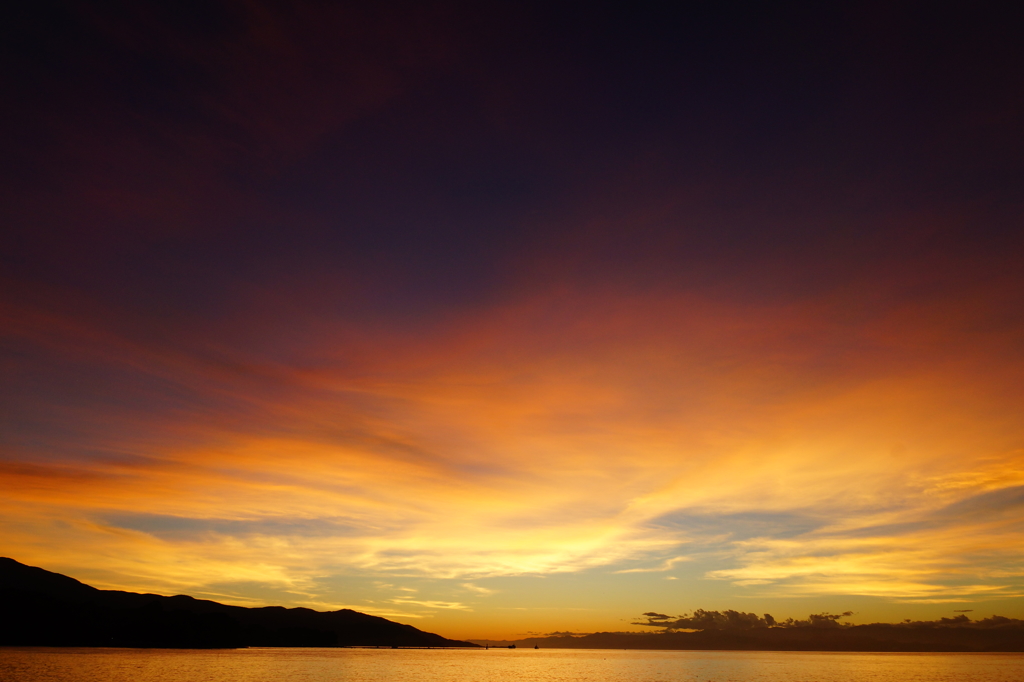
(734, 630)
(41, 608)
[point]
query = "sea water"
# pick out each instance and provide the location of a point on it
(38, 664)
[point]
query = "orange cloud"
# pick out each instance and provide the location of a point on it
(563, 433)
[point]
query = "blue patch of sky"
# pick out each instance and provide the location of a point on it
(165, 526)
(740, 526)
(985, 504)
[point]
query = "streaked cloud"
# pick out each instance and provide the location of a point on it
(477, 589)
(526, 442)
(666, 565)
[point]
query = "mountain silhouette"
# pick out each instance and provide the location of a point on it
(41, 608)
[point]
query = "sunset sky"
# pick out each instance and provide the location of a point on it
(514, 320)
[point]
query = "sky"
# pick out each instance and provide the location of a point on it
(512, 320)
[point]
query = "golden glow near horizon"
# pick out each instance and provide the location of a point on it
(501, 471)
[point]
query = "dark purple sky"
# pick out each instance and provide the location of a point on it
(438, 156)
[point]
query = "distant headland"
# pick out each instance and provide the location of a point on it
(41, 608)
(737, 631)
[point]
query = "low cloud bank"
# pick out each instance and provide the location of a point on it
(735, 630)
(701, 620)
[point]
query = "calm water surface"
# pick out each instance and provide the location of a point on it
(496, 665)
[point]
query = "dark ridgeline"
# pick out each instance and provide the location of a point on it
(732, 630)
(40, 608)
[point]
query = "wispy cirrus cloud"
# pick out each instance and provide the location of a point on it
(477, 589)
(524, 440)
(948, 553)
(666, 565)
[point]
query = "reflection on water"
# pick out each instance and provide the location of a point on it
(496, 665)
